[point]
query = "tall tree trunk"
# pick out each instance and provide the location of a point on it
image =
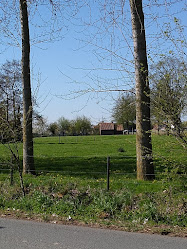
(14, 111)
(158, 129)
(145, 168)
(7, 108)
(28, 160)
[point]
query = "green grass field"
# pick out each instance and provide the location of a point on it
(71, 180)
(88, 153)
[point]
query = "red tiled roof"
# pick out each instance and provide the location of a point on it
(119, 127)
(106, 126)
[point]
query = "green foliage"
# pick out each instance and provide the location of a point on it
(82, 125)
(78, 126)
(42, 202)
(169, 94)
(64, 125)
(53, 128)
(112, 203)
(124, 111)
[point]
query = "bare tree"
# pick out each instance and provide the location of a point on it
(28, 157)
(39, 124)
(11, 97)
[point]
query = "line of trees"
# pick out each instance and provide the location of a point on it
(79, 126)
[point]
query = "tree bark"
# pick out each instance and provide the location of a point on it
(28, 160)
(145, 168)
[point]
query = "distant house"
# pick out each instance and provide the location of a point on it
(110, 129)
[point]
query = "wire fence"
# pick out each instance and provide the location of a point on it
(119, 165)
(101, 170)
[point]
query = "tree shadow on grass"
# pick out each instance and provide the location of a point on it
(87, 166)
(91, 167)
(55, 143)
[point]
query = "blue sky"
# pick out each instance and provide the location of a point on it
(81, 60)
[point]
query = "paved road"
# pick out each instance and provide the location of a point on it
(18, 234)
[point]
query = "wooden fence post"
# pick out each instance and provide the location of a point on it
(11, 175)
(108, 173)
(11, 172)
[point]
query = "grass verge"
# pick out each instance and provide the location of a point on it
(130, 205)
